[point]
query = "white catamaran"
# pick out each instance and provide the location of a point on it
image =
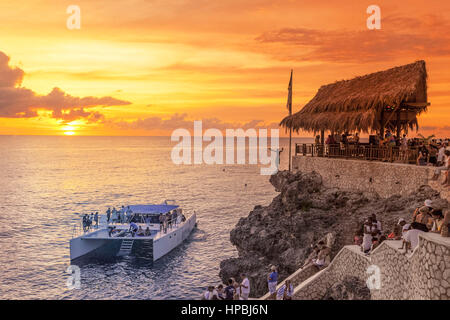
(151, 230)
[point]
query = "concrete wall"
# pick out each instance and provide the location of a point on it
(424, 274)
(384, 178)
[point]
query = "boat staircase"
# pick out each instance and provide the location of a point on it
(126, 247)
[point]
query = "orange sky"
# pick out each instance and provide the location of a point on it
(148, 67)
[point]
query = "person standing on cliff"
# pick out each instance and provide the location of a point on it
(272, 281)
(245, 287)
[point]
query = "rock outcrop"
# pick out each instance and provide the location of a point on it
(282, 234)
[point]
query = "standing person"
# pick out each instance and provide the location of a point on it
(367, 239)
(128, 212)
(114, 215)
(96, 219)
(272, 280)
(229, 290)
(161, 222)
(108, 214)
(220, 292)
(122, 214)
(245, 287)
(91, 220)
(286, 291)
(237, 290)
(84, 223)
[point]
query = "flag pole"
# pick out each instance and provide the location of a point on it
(290, 114)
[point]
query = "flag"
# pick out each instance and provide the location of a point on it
(289, 101)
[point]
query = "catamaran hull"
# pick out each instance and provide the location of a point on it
(154, 249)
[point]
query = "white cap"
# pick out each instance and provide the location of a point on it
(428, 203)
(400, 220)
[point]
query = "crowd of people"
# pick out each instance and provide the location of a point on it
(429, 151)
(119, 216)
(235, 290)
(89, 220)
(232, 290)
(424, 219)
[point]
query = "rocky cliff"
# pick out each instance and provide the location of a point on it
(305, 211)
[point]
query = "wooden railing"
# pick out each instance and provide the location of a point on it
(358, 152)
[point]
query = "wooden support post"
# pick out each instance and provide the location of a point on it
(382, 124)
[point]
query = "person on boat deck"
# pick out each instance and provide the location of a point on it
(114, 215)
(111, 230)
(174, 217)
(91, 220)
(85, 223)
(133, 228)
(169, 219)
(147, 232)
(96, 219)
(161, 222)
(129, 213)
(140, 232)
(108, 214)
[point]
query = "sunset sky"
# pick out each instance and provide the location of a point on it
(147, 67)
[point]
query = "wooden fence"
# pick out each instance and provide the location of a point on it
(358, 152)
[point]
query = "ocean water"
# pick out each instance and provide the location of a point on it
(48, 182)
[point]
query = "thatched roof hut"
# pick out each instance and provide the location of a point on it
(387, 99)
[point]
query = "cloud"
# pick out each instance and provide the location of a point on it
(177, 121)
(19, 102)
(399, 37)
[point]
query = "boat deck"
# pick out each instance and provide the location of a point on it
(103, 233)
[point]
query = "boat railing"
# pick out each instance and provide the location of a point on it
(77, 230)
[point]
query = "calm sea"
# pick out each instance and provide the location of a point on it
(47, 182)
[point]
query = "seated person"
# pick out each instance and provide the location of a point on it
(325, 251)
(140, 231)
(147, 232)
(411, 237)
(401, 228)
(423, 219)
(312, 256)
(438, 219)
(112, 230)
(358, 238)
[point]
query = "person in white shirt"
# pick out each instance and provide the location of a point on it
(245, 287)
(412, 237)
(210, 293)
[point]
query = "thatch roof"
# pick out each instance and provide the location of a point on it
(357, 104)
